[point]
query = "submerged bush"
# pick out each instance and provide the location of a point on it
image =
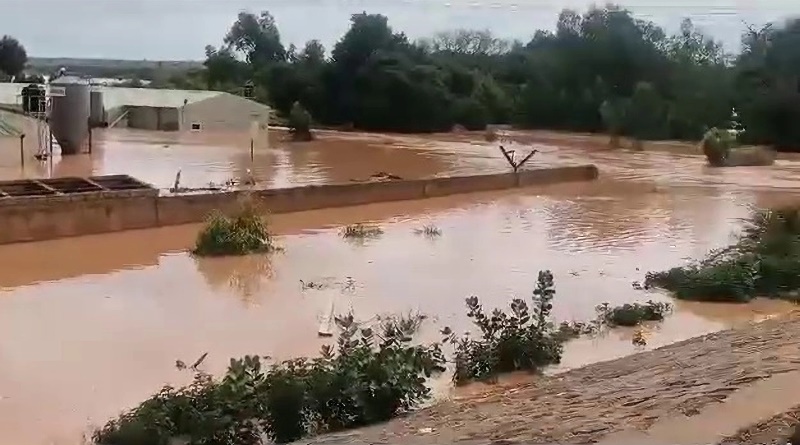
(367, 377)
(300, 123)
(361, 231)
(763, 261)
(632, 314)
(246, 232)
(717, 144)
(524, 339)
(429, 230)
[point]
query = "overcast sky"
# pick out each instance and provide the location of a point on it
(180, 29)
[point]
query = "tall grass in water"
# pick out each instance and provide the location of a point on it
(242, 233)
(764, 261)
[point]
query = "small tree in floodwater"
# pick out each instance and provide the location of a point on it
(524, 339)
(613, 113)
(244, 233)
(300, 123)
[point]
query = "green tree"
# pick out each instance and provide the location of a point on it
(223, 69)
(257, 38)
(768, 83)
(614, 112)
(646, 113)
(579, 77)
(13, 56)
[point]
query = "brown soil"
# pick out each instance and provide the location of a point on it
(583, 405)
(774, 430)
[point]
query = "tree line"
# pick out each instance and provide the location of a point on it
(602, 70)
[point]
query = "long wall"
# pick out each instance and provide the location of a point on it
(42, 218)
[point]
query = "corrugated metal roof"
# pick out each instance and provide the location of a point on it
(114, 97)
(7, 127)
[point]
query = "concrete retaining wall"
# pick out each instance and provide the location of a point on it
(49, 217)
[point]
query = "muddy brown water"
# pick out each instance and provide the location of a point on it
(93, 325)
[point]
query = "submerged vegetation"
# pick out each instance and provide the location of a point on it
(722, 149)
(361, 231)
(524, 339)
(717, 145)
(371, 375)
(242, 233)
(763, 261)
(368, 377)
(429, 230)
(632, 314)
(300, 123)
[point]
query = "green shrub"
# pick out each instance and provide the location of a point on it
(763, 262)
(632, 314)
(366, 378)
(524, 339)
(361, 231)
(612, 111)
(717, 144)
(244, 233)
(300, 123)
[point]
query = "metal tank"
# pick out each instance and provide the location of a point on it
(70, 108)
(97, 111)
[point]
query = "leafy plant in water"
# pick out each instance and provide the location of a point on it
(244, 233)
(763, 261)
(367, 377)
(429, 231)
(523, 339)
(361, 231)
(632, 314)
(628, 314)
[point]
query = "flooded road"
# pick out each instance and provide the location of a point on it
(93, 325)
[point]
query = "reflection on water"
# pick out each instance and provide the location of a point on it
(92, 325)
(246, 276)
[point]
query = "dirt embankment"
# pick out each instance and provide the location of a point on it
(774, 430)
(584, 405)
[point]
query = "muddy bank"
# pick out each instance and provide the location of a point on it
(771, 431)
(586, 404)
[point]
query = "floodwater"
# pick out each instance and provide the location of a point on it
(93, 325)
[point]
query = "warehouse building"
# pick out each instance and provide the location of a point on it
(165, 110)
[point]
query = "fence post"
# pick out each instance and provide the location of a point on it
(22, 150)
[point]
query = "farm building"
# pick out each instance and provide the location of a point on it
(166, 110)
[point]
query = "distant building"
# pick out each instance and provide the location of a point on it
(167, 110)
